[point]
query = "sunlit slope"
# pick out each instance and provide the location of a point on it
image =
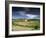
(25, 24)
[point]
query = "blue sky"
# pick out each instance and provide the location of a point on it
(24, 12)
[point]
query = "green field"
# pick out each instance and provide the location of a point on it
(25, 24)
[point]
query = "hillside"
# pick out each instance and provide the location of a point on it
(21, 24)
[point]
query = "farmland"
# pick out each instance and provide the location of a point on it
(25, 24)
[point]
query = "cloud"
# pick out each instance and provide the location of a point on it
(31, 16)
(22, 13)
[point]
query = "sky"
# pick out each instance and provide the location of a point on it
(25, 12)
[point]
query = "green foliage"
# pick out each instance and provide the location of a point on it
(31, 24)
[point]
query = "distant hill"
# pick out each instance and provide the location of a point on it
(25, 19)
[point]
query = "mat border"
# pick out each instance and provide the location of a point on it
(7, 18)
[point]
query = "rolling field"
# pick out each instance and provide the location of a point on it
(25, 24)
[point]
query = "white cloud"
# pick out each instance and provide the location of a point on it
(32, 16)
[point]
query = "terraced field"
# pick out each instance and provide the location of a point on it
(21, 24)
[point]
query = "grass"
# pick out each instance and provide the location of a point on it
(21, 24)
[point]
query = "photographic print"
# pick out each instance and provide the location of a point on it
(24, 19)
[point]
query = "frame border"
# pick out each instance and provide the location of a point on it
(7, 18)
